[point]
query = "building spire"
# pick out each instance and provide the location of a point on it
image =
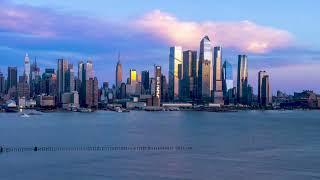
(118, 57)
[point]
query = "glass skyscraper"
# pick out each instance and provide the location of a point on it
(227, 77)
(242, 79)
(217, 76)
(175, 59)
(264, 91)
(206, 54)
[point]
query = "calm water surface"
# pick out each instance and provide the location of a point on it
(243, 145)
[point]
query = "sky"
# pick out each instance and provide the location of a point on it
(279, 37)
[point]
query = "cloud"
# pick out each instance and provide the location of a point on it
(156, 27)
(244, 35)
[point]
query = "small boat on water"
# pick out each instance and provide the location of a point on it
(24, 115)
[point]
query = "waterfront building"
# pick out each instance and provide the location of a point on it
(157, 77)
(175, 60)
(206, 55)
(46, 101)
(217, 76)
(242, 79)
(70, 100)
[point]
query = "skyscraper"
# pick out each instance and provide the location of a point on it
(2, 83)
(49, 82)
(264, 91)
(118, 73)
(145, 82)
(242, 79)
(204, 92)
(157, 76)
(206, 54)
(175, 59)
(70, 84)
(227, 76)
(217, 76)
(89, 72)
(23, 87)
(12, 80)
(133, 77)
(87, 83)
(80, 68)
(27, 67)
(227, 84)
(164, 89)
(61, 77)
(189, 74)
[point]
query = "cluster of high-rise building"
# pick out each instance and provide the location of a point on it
(208, 79)
(192, 77)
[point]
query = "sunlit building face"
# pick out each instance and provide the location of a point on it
(206, 54)
(133, 75)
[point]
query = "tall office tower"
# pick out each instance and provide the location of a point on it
(27, 67)
(92, 93)
(88, 67)
(249, 95)
(217, 75)
(206, 54)
(145, 82)
(227, 85)
(61, 77)
(86, 83)
(264, 91)
(118, 73)
(133, 77)
(2, 84)
(12, 80)
(189, 74)
(23, 88)
(49, 82)
(157, 77)
(175, 59)
(204, 80)
(80, 69)
(70, 84)
(164, 89)
(242, 79)
(35, 71)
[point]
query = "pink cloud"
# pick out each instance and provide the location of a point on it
(244, 35)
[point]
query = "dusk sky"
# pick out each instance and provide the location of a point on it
(279, 37)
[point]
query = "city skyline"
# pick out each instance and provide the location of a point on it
(277, 46)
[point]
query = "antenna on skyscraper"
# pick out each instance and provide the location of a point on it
(119, 57)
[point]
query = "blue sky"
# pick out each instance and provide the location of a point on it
(280, 37)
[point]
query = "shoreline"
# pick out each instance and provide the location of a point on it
(213, 110)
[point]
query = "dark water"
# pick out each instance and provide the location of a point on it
(244, 145)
